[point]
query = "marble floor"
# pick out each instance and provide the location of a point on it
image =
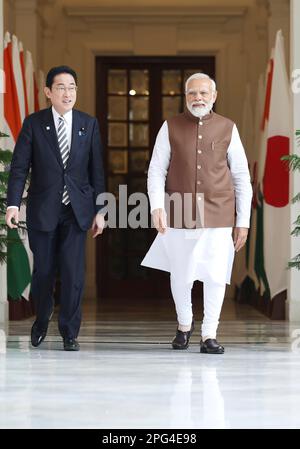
(126, 375)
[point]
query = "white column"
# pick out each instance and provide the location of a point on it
(293, 304)
(27, 26)
(3, 286)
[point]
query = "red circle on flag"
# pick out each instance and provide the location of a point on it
(276, 175)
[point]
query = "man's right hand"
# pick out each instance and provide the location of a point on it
(160, 220)
(11, 214)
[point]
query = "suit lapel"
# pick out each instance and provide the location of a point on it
(50, 134)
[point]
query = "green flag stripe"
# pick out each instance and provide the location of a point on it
(18, 267)
(259, 264)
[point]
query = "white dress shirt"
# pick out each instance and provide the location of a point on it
(68, 118)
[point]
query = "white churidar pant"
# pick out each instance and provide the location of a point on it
(195, 254)
(213, 296)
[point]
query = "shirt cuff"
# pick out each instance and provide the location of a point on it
(12, 207)
(157, 201)
(242, 223)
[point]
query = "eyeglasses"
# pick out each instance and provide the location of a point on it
(194, 93)
(62, 89)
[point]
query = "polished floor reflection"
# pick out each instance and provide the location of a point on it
(127, 376)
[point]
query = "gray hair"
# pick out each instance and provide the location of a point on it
(197, 76)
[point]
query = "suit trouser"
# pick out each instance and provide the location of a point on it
(60, 250)
(213, 296)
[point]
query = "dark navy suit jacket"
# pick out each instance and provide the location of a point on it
(37, 149)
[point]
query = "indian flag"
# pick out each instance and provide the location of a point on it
(259, 105)
(18, 255)
(242, 257)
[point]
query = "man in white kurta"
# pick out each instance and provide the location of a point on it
(205, 252)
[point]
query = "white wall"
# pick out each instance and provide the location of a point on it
(237, 35)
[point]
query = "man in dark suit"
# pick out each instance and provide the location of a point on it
(62, 148)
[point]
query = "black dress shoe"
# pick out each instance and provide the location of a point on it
(181, 340)
(38, 334)
(211, 346)
(71, 344)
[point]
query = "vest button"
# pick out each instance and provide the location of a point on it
(199, 198)
(198, 166)
(200, 123)
(200, 137)
(198, 182)
(199, 151)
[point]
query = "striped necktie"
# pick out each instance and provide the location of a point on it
(64, 151)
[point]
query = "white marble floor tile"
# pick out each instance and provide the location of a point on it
(127, 376)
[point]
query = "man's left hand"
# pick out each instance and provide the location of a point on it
(98, 225)
(239, 238)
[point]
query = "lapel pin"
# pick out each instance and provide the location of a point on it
(82, 132)
(47, 128)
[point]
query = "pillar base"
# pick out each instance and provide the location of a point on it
(293, 311)
(3, 313)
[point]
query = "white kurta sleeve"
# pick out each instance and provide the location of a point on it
(158, 168)
(238, 165)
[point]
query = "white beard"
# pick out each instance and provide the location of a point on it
(200, 112)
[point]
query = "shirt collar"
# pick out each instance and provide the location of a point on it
(67, 116)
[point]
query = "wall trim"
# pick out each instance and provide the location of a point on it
(157, 14)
